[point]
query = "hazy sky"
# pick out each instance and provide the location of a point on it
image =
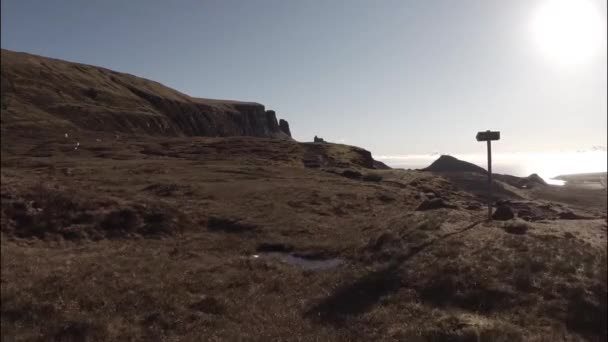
(395, 77)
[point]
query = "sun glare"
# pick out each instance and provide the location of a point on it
(568, 31)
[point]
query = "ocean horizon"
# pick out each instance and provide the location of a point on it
(546, 164)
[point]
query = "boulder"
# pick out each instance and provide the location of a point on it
(503, 213)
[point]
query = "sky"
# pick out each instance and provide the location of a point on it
(395, 77)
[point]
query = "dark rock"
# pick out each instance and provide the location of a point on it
(435, 203)
(209, 305)
(503, 213)
(383, 247)
(528, 214)
(474, 206)
(503, 202)
(318, 140)
(569, 215)
(569, 235)
(274, 247)
(386, 197)
(229, 225)
(284, 127)
(380, 165)
(352, 174)
(122, 220)
(383, 240)
(372, 177)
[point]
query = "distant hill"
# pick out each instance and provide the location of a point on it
(447, 163)
(473, 178)
(40, 93)
(584, 177)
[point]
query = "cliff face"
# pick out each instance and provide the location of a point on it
(45, 93)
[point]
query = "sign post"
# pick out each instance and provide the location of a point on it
(488, 136)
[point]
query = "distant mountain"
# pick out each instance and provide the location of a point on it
(447, 163)
(474, 177)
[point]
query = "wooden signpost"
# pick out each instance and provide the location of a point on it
(489, 136)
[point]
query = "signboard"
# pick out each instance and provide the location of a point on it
(488, 136)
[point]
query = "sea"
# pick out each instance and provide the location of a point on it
(546, 164)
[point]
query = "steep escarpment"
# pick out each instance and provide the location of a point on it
(46, 94)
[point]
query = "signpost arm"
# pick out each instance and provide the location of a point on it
(489, 180)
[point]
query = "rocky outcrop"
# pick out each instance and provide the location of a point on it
(536, 179)
(380, 165)
(434, 203)
(284, 126)
(49, 94)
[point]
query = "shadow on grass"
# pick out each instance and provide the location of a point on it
(360, 296)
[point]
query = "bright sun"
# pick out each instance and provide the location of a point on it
(568, 31)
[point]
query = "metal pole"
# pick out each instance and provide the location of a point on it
(489, 180)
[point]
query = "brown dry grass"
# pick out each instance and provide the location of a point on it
(88, 266)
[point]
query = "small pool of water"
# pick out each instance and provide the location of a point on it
(302, 262)
(555, 182)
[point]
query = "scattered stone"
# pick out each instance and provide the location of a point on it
(503, 213)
